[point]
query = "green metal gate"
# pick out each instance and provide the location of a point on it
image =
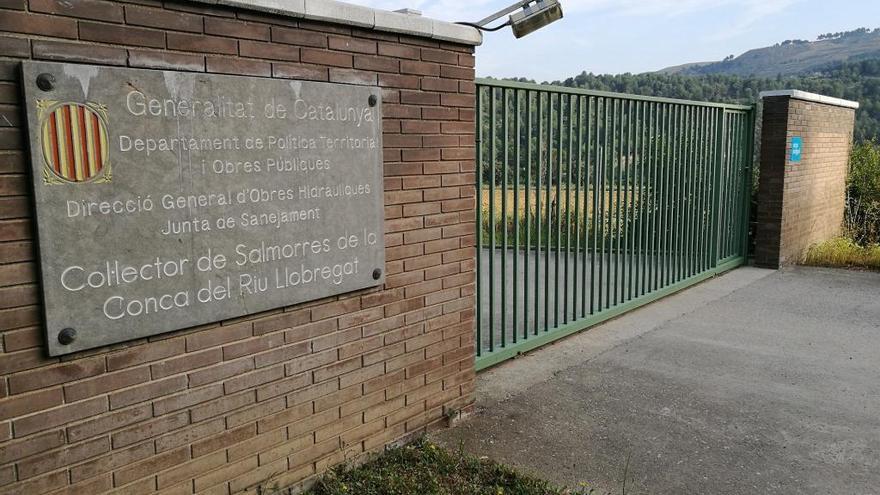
(593, 203)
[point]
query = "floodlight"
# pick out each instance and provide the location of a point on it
(534, 17)
(528, 16)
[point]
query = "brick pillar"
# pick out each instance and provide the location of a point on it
(801, 199)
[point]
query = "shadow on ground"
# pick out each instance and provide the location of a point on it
(753, 382)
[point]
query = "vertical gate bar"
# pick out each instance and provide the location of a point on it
(568, 128)
(539, 115)
(678, 178)
(643, 212)
(728, 165)
(493, 160)
(643, 196)
(527, 247)
(679, 191)
(479, 144)
(547, 206)
(625, 163)
(558, 209)
(692, 136)
(516, 215)
(708, 165)
(635, 248)
(504, 186)
(602, 157)
(704, 160)
(609, 177)
(618, 158)
(663, 164)
(584, 153)
(644, 175)
(711, 163)
(716, 189)
(740, 165)
(569, 288)
(578, 126)
(580, 259)
(666, 146)
(594, 195)
(667, 197)
(653, 213)
(632, 137)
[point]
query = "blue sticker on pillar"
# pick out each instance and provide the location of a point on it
(797, 145)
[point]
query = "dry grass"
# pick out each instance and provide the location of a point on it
(539, 199)
(843, 252)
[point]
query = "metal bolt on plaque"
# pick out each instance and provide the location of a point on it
(377, 273)
(46, 81)
(67, 336)
(372, 100)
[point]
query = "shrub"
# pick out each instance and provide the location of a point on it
(844, 252)
(862, 216)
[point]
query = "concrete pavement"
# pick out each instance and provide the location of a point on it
(757, 381)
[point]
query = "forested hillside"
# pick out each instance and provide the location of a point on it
(859, 81)
(793, 57)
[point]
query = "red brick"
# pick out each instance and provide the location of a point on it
(271, 51)
(86, 9)
(147, 391)
(166, 60)
(189, 435)
(140, 354)
(300, 71)
(188, 399)
(60, 458)
(349, 44)
(219, 335)
(236, 29)
(162, 19)
(44, 25)
(107, 463)
(150, 466)
(105, 383)
(397, 50)
(46, 376)
(220, 372)
(121, 35)
(59, 416)
(149, 429)
(324, 57)
(201, 43)
(299, 37)
(12, 451)
(108, 422)
(79, 52)
(238, 66)
(378, 64)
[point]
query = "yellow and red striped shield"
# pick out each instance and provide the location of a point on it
(74, 142)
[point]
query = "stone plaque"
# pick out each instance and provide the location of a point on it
(166, 200)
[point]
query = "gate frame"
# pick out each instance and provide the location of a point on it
(486, 359)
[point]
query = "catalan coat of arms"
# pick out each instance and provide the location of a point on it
(74, 142)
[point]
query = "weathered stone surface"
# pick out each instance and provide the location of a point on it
(167, 200)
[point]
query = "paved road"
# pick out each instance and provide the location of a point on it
(755, 382)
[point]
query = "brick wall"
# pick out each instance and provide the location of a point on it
(219, 408)
(801, 203)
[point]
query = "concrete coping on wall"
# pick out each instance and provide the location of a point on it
(803, 95)
(360, 16)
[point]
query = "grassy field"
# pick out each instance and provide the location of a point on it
(538, 199)
(424, 468)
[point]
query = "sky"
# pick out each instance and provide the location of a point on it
(617, 36)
